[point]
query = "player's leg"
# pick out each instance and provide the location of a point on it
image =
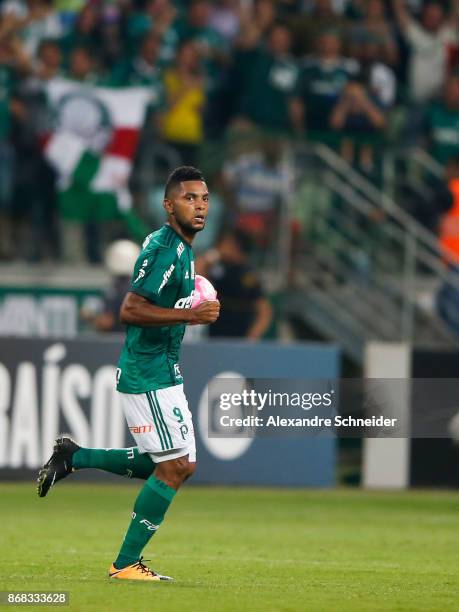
(171, 443)
(149, 511)
(68, 457)
(129, 462)
(134, 462)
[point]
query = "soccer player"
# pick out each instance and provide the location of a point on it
(156, 311)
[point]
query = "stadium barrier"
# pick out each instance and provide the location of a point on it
(413, 461)
(45, 311)
(51, 386)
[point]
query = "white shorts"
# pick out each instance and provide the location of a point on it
(161, 423)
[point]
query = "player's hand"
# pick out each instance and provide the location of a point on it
(205, 313)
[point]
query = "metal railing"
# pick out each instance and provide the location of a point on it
(360, 259)
(415, 161)
(363, 255)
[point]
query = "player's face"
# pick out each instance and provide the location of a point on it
(189, 205)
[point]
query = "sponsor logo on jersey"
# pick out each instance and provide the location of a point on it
(187, 275)
(177, 369)
(185, 302)
(138, 429)
(166, 277)
(180, 249)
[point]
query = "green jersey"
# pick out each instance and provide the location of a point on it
(444, 132)
(6, 89)
(164, 274)
(320, 85)
(266, 83)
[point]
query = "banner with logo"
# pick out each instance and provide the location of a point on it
(93, 145)
(53, 387)
(46, 312)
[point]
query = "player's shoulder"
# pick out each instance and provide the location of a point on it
(163, 243)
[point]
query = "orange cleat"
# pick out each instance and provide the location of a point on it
(136, 571)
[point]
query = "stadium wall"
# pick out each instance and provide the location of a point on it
(414, 461)
(54, 386)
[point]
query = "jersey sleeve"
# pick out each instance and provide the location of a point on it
(153, 273)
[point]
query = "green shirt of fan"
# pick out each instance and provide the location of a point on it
(320, 85)
(164, 275)
(139, 25)
(6, 88)
(267, 84)
(444, 133)
(212, 45)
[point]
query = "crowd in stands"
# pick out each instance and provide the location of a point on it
(332, 70)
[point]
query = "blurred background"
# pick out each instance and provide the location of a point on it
(328, 131)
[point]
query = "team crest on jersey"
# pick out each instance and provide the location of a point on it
(185, 302)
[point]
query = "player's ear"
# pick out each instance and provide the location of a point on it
(168, 206)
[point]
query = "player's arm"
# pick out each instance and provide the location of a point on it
(263, 318)
(340, 113)
(296, 102)
(297, 114)
(137, 310)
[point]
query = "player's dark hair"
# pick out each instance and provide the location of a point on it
(180, 174)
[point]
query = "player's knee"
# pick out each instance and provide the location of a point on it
(191, 469)
(175, 472)
(184, 468)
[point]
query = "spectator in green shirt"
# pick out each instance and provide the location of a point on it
(321, 16)
(211, 45)
(82, 66)
(6, 87)
(266, 80)
(156, 17)
(143, 68)
(196, 26)
(86, 32)
(443, 123)
(49, 60)
(6, 151)
(321, 82)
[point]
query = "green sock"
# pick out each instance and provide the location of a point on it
(149, 509)
(124, 461)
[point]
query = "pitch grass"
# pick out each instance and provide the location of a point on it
(239, 549)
